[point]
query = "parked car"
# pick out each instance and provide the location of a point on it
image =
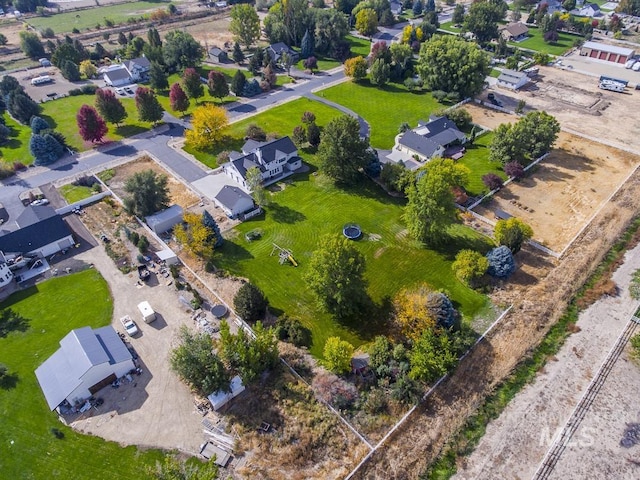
(44, 62)
(120, 91)
(636, 67)
(39, 202)
(129, 90)
(129, 325)
(630, 63)
(492, 98)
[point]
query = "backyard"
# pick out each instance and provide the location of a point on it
(310, 206)
(29, 448)
(536, 42)
(89, 18)
(476, 158)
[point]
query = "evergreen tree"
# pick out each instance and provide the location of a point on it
(306, 47)
(45, 149)
(153, 37)
(237, 55)
(38, 124)
(22, 107)
(417, 8)
(70, 71)
(238, 82)
(430, 6)
(122, 39)
(157, 77)
(211, 224)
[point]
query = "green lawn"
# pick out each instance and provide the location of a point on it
(311, 206)
(359, 46)
(450, 27)
(87, 19)
(282, 119)
(74, 193)
(476, 158)
(495, 73)
(324, 63)
(536, 42)
(61, 115)
(384, 108)
(17, 148)
(28, 448)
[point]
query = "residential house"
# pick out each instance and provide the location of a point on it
(609, 53)
(234, 201)
(515, 32)
(426, 141)
(512, 80)
(7, 284)
(138, 68)
(218, 55)
(396, 7)
(276, 159)
(116, 77)
(165, 219)
(87, 361)
(552, 6)
(40, 234)
(277, 50)
(588, 10)
(34, 214)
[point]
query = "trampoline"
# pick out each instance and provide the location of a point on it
(218, 311)
(352, 231)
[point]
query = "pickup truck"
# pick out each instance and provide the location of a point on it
(129, 325)
(143, 273)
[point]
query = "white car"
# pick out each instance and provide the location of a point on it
(129, 325)
(40, 202)
(120, 91)
(636, 67)
(630, 63)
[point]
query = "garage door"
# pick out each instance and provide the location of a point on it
(594, 53)
(622, 59)
(103, 383)
(603, 56)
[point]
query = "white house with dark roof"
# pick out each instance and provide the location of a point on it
(87, 360)
(512, 80)
(234, 201)
(277, 50)
(129, 71)
(426, 141)
(138, 68)
(589, 10)
(276, 160)
(117, 77)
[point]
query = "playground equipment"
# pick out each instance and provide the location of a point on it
(284, 255)
(352, 231)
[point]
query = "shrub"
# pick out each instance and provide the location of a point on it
(514, 170)
(333, 390)
(337, 354)
(292, 331)
(250, 303)
(254, 132)
(439, 95)
(492, 181)
(142, 244)
(501, 262)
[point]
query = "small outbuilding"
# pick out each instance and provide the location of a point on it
(234, 201)
(167, 256)
(512, 80)
(87, 361)
(220, 398)
(218, 55)
(165, 220)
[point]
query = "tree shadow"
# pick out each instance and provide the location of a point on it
(9, 381)
(51, 121)
(129, 130)
(232, 252)
(284, 214)
(367, 188)
(371, 320)
(11, 321)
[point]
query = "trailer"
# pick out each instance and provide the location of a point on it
(611, 86)
(148, 315)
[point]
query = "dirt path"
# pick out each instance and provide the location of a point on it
(516, 442)
(418, 442)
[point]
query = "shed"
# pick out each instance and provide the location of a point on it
(87, 361)
(502, 215)
(168, 256)
(209, 450)
(234, 201)
(512, 80)
(218, 55)
(220, 398)
(165, 220)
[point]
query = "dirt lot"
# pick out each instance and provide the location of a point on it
(578, 104)
(564, 190)
(178, 193)
(516, 442)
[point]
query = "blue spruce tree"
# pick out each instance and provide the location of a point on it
(307, 45)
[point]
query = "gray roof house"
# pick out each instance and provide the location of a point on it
(276, 160)
(165, 219)
(234, 201)
(117, 77)
(515, 32)
(87, 360)
(276, 50)
(218, 55)
(589, 10)
(427, 140)
(138, 68)
(42, 237)
(34, 214)
(512, 80)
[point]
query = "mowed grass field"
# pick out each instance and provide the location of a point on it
(311, 206)
(17, 147)
(536, 42)
(28, 448)
(385, 109)
(89, 18)
(476, 158)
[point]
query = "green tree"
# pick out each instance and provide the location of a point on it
(342, 153)
(174, 469)
(153, 37)
(109, 106)
(191, 84)
(430, 208)
(367, 21)
(22, 107)
(148, 106)
(245, 24)
(3, 39)
(458, 14)
(451, 64)
(250, 303)
(238, 82)
(256, 187)
(379, 72)
(355, 68)
(336, 276)
(194, 235)
(148, 193)
(65, 51)
(122, 39)
(194, 361)
(217, 85)
(469, 266)
(313, 134)
(31, 45)
(432, 356)
(529, 138)
(337, 355)
(512, 233)
(70, 71)
(237, 55)
(157, 77)
(483, 17)
(306, 46)
(214, 230)
(401, 54)
(181, 50)
(45, 149)
(630, 7)
(246, 356)
(88, 69)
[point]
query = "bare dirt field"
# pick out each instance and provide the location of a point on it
(578, 104)
(564, 190)
(515, 443)
(210, 32)
(178, 193)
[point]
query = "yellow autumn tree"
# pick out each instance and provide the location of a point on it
(412, 311)
(209, 123)
(194, 235)
(88, 69)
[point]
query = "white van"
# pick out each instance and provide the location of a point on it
(148, 315)
(41, 80)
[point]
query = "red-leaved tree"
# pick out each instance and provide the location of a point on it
(92, 126)
(178, 99)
